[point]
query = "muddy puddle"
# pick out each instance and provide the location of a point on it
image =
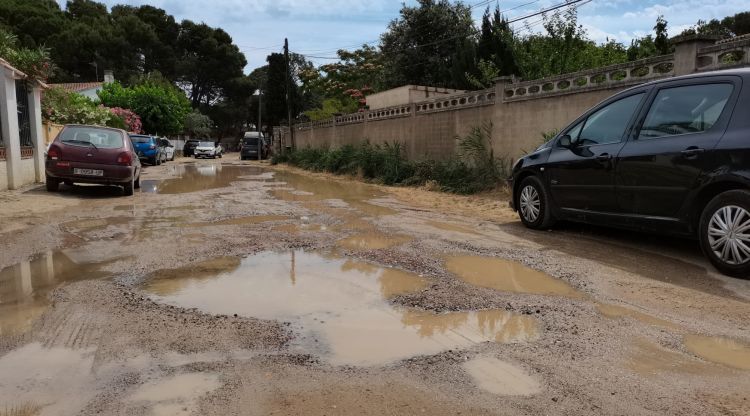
(198, 177)
(507, 276)
(299, 188)
(372, 240)
(649, 359)
(56, 380)
(176, 395)
(720, 350)
(24, 286)
(255, 219)
(500, 377)
(338, 306)
(618, 312)
(445, 226)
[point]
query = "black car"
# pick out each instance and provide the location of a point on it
(671, 156)
(189, 149)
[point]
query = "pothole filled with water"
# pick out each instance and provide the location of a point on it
(339, 306)
(507, 276)
(720, 350)
(198, 177)
(500, 377)
(24, 286)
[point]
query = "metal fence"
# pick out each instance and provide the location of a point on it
(24, 121)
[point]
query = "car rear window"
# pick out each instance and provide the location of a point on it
(251, 141)
(140, 139)
(85, 136)
(684, 110)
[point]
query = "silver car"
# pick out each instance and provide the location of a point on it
(208, 149)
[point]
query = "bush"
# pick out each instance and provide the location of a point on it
(475, 170)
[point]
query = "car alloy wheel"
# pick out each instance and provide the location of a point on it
(729, 234)
(530, 203)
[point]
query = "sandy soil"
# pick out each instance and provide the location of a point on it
(237, 288)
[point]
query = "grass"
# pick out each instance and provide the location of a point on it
(474, 169)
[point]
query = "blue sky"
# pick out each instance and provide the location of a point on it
(319, 27)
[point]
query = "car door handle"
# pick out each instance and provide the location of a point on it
(604, 157)
(692, 151)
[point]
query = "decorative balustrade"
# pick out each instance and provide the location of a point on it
(727, 53)
(453, 102)
(388, 112)
(611, 76)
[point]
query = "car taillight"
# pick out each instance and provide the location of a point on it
(54, 153)
(124, 158)
(152, 147)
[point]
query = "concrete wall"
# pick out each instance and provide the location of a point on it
(27, 171)
(406, 95)
(520, 112)
(3, 176)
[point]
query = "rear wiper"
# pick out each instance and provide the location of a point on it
(80, 141)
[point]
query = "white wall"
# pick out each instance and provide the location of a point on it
(28, 171)
(3, 176)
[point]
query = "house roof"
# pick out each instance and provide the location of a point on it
(79, 86)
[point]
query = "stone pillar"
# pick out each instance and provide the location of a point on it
(501, 83)
(9, 121)
(37, 132)
(686, 51)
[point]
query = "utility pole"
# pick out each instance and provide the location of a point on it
(260, 129)
(289, 92)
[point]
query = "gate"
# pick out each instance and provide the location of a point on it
(24, 123)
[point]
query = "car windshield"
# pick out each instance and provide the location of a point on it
(252, 141)
(206, 144)
(140, 139)
(92, 136)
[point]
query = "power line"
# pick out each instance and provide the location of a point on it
(371, 42)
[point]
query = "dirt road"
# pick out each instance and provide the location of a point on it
(236, 288)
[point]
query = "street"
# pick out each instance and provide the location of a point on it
(228, 287)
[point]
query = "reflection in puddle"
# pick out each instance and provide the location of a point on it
(649, 359)
(192, 178)
(372, 241)
(501, 378)
(59, 379)
(507, 276)
(176, 395)
(451, 227)
(615, 312)
(342, 302)
(24, 286)
(720, 350)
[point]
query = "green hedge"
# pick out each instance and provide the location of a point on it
(474, 170)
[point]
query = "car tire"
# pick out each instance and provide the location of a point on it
(532, 203)
(725, 216)
(137, 183)
(127, 189)
(52, 184)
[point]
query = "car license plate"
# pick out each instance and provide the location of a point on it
(88, 172)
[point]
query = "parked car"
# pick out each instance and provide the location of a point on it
(189, 149)
(92, 154)
(208, 149)
(249, 146)
(168, 149)
(671, 156)
(148, 148)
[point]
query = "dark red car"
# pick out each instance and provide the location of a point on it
(92, 154)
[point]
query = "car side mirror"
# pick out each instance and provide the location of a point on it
(565, 141)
